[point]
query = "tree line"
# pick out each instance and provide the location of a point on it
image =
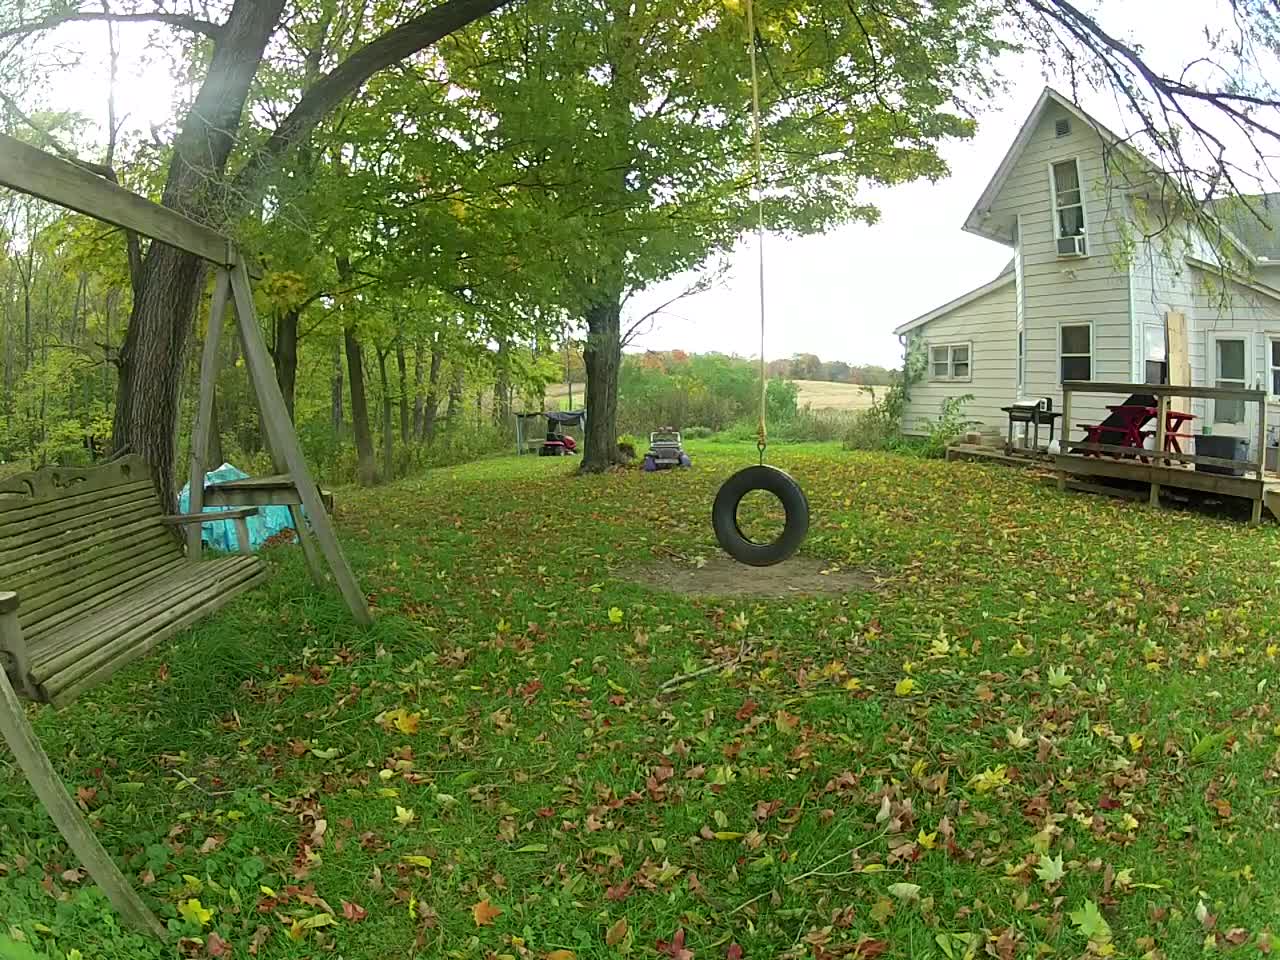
(441, 195)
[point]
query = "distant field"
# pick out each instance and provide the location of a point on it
(819, 394)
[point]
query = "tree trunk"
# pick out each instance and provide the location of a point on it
(366, 472)
(404, 392)
(419, 397)
(286, 356)
(433, 395)
(171, 282)
(336, 391)
(603, 358)
(388, 444)
(457, 383)
(502, 387)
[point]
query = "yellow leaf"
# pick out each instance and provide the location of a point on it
(1135, 742)
(1130, 821)
(904, 687)
(615, 614)
(417, 861)
(616, 933)
(193, 912)
(484, 913)
(927, 841)
(267, 891)
(405, 815)
(729, 835)
(853, 683)
(318, 920)
(401, 719)
(562, 955)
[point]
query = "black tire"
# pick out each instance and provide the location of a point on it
(724, 516)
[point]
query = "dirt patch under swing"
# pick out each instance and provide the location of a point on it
(722, 577)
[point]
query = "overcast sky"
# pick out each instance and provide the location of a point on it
(838, 295)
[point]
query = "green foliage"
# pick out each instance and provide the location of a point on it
(949, 426)
(880, 426)
(710, 390)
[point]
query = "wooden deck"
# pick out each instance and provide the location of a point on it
(1264, 492)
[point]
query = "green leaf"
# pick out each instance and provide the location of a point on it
(1091, 923)
(1051, 869)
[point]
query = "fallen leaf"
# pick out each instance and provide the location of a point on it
(905, 892)
(353, 911)
(616, 933)
(194, 913)
(485, 913)
(405, 815)
(562, 955)
(675, 948)
(1051, 869)
(734, 952)
(216, 946)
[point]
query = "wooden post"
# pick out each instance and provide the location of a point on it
(1162, 420)
(308, 546)
(280, 429)
(13, 643)
(1066, 433)
(53, 794)
(204, 407)
(1262, 439)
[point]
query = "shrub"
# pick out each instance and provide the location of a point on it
(948, 428)
(696, 433)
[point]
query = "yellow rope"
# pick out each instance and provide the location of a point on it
(761, 436)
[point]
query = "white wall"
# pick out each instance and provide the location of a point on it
(988, 323)
(1061, 290)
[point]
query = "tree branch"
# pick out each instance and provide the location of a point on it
(181, 20)
(345, 79)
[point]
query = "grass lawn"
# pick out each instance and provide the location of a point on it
(1051, 730)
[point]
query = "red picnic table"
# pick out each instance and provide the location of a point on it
(1131, 418)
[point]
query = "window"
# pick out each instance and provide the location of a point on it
(1230, 359)
(1076, 350)
(1068, 209)
(1155, 353)
(1273, 346)
(1022, 359)
(950, 361)
(1061, 127)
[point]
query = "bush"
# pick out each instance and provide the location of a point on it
(696, 433)
(948, 428)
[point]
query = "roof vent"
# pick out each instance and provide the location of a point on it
(1062, 127)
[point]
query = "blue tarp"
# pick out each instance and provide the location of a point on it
(222, 535)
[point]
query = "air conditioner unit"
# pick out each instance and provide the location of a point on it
(1071, 246)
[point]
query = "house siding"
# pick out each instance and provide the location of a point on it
(989, 324)
(1057, 290)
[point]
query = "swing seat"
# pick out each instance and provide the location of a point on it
(99, 575)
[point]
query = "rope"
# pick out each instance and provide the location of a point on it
(762, 440)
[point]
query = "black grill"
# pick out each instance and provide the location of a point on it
(1035, 412)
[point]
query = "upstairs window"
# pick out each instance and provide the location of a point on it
(1068, 209)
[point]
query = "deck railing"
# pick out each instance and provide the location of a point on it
(1256, 463)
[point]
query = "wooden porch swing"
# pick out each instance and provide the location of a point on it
(90, 576)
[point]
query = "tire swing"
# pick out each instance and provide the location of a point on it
(724, 511)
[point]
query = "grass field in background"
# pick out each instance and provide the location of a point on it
(818, 394)
(1050, 730)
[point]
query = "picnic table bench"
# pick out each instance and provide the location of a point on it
(93, 576)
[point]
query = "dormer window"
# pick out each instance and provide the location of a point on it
(1068, 209)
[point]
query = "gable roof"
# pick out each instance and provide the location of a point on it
(975, 222)
(1005, 277)
(1253, 220)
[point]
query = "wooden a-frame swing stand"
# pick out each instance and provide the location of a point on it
(48, 523)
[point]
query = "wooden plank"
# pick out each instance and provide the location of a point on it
(280, 496)
(34, 553)
(55, 619)
(1247, 487)
(1179, 356)
(1134, 452)
(1066, 428)
(76, 570)
(57, 801)
(61, 652)
(40, 174)
(80, 598)
(262, 376)
(1261, 457)
(75, 533)
(1155, 390)
(105, 660)
(204, 406)
(210, 516)
(314, 567)
(1162, 423)
(44, 512)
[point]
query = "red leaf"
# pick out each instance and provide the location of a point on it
(869, 949)
(734, 952)
(675, 949)
(217, 947)
(353, 911)
(748, 708)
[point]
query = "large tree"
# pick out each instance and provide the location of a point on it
(633, 120)
(199, 181)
